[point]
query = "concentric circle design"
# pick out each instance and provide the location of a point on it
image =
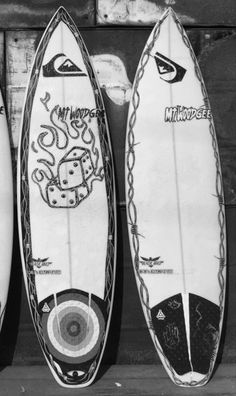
(73, 328)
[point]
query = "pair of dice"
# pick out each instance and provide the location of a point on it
(74, 169)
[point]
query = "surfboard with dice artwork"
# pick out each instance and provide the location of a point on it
(66, 203)
(175, 205)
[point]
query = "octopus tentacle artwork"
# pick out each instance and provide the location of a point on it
(68, 160)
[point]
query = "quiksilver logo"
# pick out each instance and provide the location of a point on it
(182, 113)
(169, 70)
(57, 67)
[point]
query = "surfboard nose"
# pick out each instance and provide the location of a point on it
(60, 11)
(169, 13)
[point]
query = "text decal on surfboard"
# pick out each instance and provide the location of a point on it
(150, 263)
(182, 113)
(169, 71)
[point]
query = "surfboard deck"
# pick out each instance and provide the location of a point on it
(6, 210)
(66, 204)
(175, 205)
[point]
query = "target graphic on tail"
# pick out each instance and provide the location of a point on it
(74, 326)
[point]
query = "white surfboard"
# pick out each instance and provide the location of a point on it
(175, 205)
(66, 203)
(6, 210)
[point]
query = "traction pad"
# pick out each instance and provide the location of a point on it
(170, 330)
(204, 322)
(169, 324)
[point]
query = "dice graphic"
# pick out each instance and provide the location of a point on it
(58, 198)
(75, 168)
(82, 192)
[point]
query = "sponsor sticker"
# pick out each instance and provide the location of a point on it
(150, 264)
(181, 113)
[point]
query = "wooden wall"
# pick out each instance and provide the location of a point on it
(115, 33)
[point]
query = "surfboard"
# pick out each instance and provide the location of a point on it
(6, 210)
(66, 203)
(175, 205)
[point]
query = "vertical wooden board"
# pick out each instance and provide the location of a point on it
(2, 62)
(20, 49)
(217, 63)
(126, 380)
(147, 12)
(36, 13)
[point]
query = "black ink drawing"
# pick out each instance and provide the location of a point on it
(67, 68)
(169, 71)
(174, 304)
(45, 100)
(67, 171)
(171, 336)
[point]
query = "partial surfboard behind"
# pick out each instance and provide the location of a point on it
(66, 203)
(6, 210)
(175, 205)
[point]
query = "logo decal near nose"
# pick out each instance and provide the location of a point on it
(169, 71)
(66, 68)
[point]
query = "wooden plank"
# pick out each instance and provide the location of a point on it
(2, 63)
(114, 380)
(217, 62)
(147, 12)
(20, 49)
(36, 14)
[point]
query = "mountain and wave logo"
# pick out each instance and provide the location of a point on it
(168, 70)
(57, 67)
